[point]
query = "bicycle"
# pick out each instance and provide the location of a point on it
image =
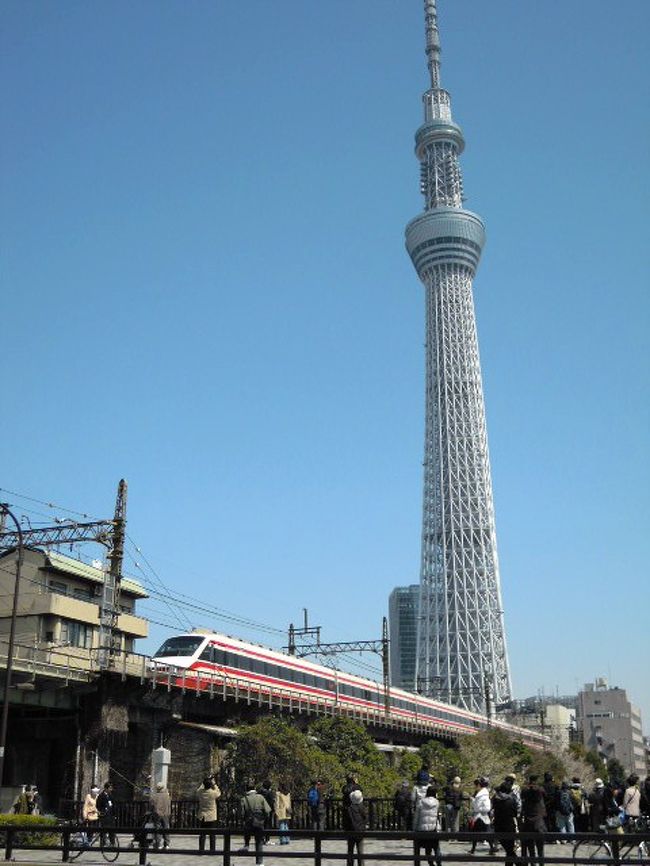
(612, 848)
(96, 839)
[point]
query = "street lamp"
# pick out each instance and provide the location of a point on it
(4, 510)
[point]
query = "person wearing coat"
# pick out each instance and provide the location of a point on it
(481, 808)
(425, 820)
(504, 810)
(255, 810)
(207, 794)
(357, 819)
(597, 809)
(283, 811)
(161, 806)
(632, 798)
(453, 803)
(533, 815)
(89, 813)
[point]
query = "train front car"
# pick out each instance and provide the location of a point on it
(177, 656)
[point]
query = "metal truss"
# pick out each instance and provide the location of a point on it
(461, 655)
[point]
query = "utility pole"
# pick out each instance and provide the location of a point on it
(20, 550)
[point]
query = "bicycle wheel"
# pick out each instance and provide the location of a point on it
(110, 852)
(592, 851)
(77, 845)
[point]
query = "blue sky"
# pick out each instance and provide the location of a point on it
(206, 291)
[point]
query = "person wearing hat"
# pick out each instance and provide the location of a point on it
(357, 819)
(454, 797)
(597, 805)
(161, 806)
(89, 813)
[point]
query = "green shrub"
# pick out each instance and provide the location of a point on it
(42, 837)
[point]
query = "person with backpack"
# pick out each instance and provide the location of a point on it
(316, 803)
(564, 810)
(255, 811)
(579, 802)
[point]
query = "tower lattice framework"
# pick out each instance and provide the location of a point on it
(461, 645)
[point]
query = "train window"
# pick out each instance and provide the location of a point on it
(273, 671)
(179, 646)
(244, 663)
(208, 654)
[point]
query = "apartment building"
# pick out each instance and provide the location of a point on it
(59, 601)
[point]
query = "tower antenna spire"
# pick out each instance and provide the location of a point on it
(433, 42)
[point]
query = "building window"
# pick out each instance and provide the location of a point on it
(76, 634)
(58, 586)
(83, 593)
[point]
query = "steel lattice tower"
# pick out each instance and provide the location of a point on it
(461, 646)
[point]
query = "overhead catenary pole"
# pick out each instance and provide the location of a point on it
(110, 607)
(20, 550)
(380, 647)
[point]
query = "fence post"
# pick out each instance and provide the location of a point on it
(226, 848)
(65, 850)
(9, 843)
(318, 853)
(142, 853)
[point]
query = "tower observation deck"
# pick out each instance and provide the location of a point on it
(461, 645)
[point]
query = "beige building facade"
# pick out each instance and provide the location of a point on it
(59, 604)
(612, 726)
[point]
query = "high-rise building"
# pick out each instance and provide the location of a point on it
(611, 725)
(403, 604)
(461, 652)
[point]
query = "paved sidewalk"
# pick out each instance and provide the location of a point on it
(301, 851)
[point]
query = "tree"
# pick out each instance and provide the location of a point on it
(272, 748)
(350, 744)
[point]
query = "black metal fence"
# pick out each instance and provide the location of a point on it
(381, 813)
(579, 848)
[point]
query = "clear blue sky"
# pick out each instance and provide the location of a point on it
(206, 291)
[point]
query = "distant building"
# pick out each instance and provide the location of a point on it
(611, 725)
(555, 720)
(403, 605)
(58, 604)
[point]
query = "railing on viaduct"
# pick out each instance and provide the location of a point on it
(72, 665)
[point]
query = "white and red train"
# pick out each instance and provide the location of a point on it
(218, 657)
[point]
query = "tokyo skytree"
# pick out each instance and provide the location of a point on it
(461, 644)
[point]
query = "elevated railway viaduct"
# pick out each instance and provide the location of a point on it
(70, 723)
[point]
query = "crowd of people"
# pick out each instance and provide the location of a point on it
(493, 813)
